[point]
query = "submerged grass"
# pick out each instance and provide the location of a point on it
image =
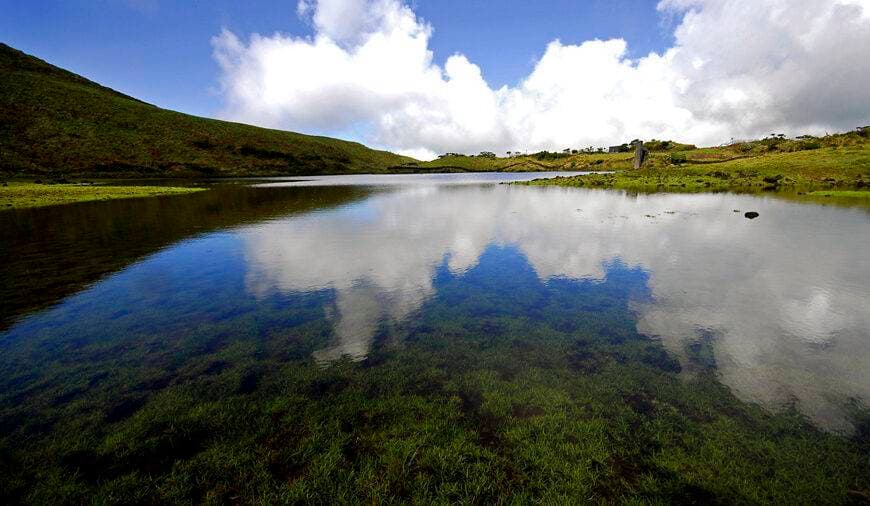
(546, 394)
(16, 195)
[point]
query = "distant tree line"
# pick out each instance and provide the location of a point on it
(773, 142)
(781, 143)
(482, 154)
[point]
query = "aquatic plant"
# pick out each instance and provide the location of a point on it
(501, 388)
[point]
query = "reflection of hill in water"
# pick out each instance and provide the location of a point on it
(50, 253)
(782, 300)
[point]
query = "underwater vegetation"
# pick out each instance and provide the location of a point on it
(501, 388)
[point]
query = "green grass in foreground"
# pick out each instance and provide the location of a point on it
(16, 195)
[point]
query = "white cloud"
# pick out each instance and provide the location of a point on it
(738, 68)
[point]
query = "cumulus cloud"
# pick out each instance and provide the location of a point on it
(738, 68)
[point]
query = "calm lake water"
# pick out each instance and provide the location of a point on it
(109, 306)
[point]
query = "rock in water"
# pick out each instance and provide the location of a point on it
(751, 215)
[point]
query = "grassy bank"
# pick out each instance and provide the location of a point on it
(842, 194)
(839, 161)
(17, 195)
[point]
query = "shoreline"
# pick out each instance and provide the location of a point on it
(828, 169)
(29, 195)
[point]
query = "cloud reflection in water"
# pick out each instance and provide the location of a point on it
(784, 299)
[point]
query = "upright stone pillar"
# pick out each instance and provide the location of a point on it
(640, 154)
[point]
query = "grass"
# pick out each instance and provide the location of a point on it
(717, 169)
(54, 122)
(842, 193)
(833, 161)
(17, 195)
(523, 163)
(481, 164)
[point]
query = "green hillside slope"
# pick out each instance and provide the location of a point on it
(56, 122)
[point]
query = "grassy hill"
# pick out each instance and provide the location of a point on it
(834, 161)
(844, 157)
(839, 160)
(54, 122)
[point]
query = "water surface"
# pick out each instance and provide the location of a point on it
(113, 308)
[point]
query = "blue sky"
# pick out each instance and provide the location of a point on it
(160, 50)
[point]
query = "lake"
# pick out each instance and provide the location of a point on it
(436, 338)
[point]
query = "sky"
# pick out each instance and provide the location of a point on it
(424, 77)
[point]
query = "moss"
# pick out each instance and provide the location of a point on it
(16, 195)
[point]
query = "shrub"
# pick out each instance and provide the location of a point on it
(547, 155)
(677, 158)
(656, 145)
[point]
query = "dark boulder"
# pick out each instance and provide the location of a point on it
(751, 215)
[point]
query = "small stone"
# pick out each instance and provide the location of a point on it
(751, 215)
